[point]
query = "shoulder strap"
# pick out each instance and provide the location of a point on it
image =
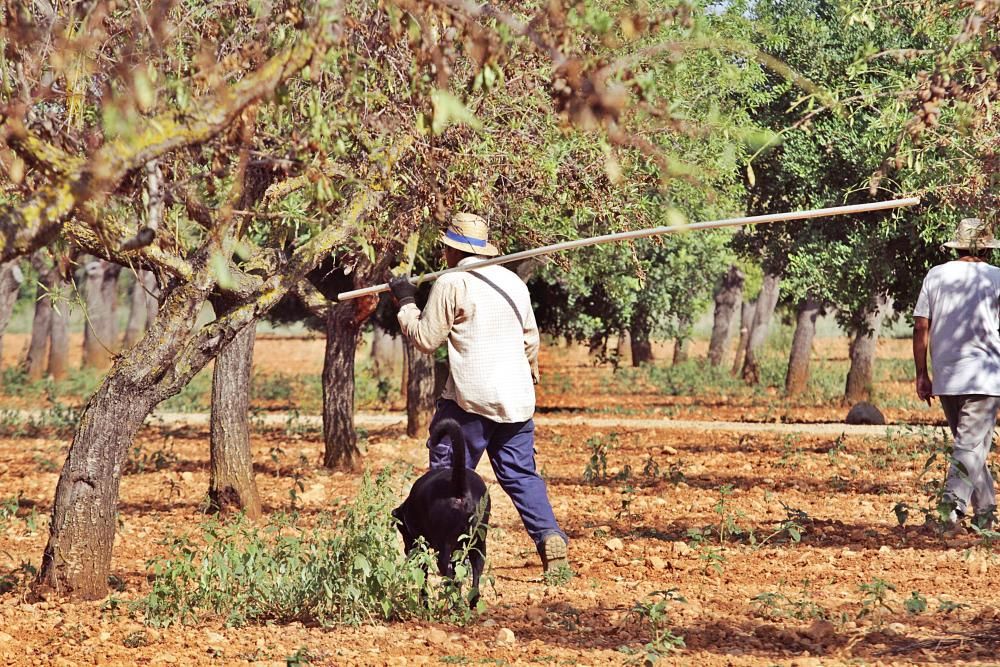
(510, 301)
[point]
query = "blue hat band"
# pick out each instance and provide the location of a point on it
(461, 238)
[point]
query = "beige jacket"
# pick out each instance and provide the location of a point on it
(485, 316)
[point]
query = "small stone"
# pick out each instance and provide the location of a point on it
(614, 544)
(4, 637)
(169, 658)
(187, 476)
(657, 563)
(978, 567)
(489, 623)
(505, 637)
(215, 637)
(884, 549)
(680, 548)
(437, 636)
(104, 636)
(669, 450)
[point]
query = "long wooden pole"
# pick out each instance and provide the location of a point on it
(643, 233)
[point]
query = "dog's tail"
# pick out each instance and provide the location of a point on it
(451, 428)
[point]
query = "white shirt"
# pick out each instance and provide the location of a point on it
(962, 302)
(486, 317)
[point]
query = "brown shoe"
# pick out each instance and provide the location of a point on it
(553, 553)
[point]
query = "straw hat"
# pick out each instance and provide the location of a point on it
(972, 234)
(470, 233)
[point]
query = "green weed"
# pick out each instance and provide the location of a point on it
(349, 572)
(777, 605)
(876, 597)
(652, 612)
(596, 470)
(140, 461)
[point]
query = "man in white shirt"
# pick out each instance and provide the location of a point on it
(958, 314)
(486, 318)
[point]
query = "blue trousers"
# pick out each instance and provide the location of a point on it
(511, 450)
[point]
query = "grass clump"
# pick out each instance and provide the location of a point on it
(347, 572)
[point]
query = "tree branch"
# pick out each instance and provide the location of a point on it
(35, 221)
(207, 343)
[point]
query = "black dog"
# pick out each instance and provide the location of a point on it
(443, 505)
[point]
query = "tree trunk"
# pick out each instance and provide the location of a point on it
(59, 330)
(138, 314)
(680, 351)
(153, 296)
(340, 439)
(729, 294)
(863, 345)
(109, 294)
(96, 347)
(746, 321)
(77, 559)
(797, 376)
(41, 323)
(11, 278)
(231, 483)
(639, 331)
(682, 340)
(623, 350)
(420, 396)
(766, 303)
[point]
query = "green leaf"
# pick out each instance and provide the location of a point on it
(450, 110)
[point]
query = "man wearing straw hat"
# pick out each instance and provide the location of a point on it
(486, 318)
(958, 314)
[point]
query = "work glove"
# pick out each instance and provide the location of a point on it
(403, 290)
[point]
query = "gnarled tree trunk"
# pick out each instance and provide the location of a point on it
(11, 278)
(766, 303)
(797, 376)
(340, 439)
(746, 321)
(727, 297)
(77, 558)
(420, 398)
(231, 483)
(862, 351)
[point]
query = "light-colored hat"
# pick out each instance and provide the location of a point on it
(470, 233)
(972, 234)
